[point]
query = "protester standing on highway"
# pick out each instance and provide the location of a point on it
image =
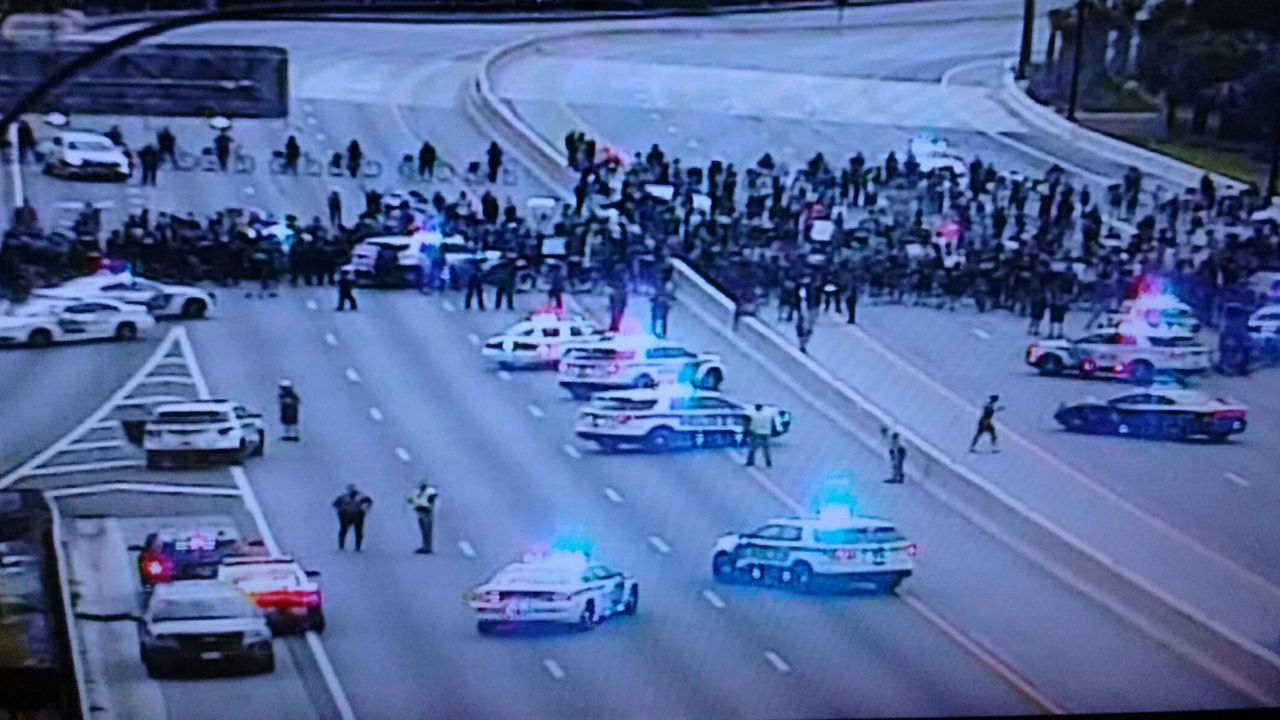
(423, 503)
(352, 507)
(222, 149)
(617, 302)
(987, 424)
(346, 291)
(427, 161)
(851, 301)
(804, 331)
(504, 278)
(1057, 314)
(355, 157)
(289, 402)
(149, 159)
(897, 459)
(759, 432)
(475, 283)
(292, 153)
(659, 308)
(168, 145)
(555, 284)
(1038, 307)
(26, 142)
(494, 154)
(335, 209)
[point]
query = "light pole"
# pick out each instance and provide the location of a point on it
(1028, 25)
(1075, 65)
(1273, 177)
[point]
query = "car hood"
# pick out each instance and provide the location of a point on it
(202, 627)
(104, 156)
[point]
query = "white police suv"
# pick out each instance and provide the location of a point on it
(203, 429)
(162, 299)
(636, 361)
(539, 340)
(84, 154)
(669, 417)
(1124, 352)
(558, 587)
(805, 553)
(205, 623)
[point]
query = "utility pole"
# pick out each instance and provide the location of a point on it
(1273, 178)
(1028, 25)
(1075, 66)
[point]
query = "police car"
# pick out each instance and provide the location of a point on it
(40, 322)
(289, 595)
(1157, 312)
(935, 154)
(161, 299)
(203, 623)
(558, 587)
(804, 553)
(1128, 352)
(409, 256)
(1156, 413)
(636, 361)
(84, 154)
(185, 552)
(669, 417)
(1264, 324)
(202, 429)
(539, 340)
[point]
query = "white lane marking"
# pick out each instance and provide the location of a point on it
(402, 454)
(313, 305)
(951, 73)
(713, 598)
(659, 544)
(554, 668)
(535, 411)
(321, 137)
(352, 375)
(158, 488)
(93, 445)
(330, 338)
(376, 414)
(776, 661)
(981, 334)
(572, 451)
(81, 467)
(1237, 479)
(163, 379)
(465, 548)
(504, 374)
(613, 495)
(104, 425)
(473, 338)
(149, 400)
(448, 306)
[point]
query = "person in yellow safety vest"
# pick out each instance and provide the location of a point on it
(423, 503)
(759, 430)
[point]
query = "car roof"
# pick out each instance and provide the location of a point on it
(853, 521)
(84, 135)
(195, 406)
(257, 560)
(661, 392)
(195, 588)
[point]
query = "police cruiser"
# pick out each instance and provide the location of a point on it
(85, 154)
(539, 340)
(289, 595)
(1156, 413)
(186, 552)
(636, 361)
(1127, 352)
(803, 553)
(204, 623)
(41, 322)
(669, 417)
(203, 429)
(1158, 312)
(161, 299)
(558, 587)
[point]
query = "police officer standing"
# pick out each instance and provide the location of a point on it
(897, 459)
(222, 149)
(759, 431)
(346, 291)
(352, 506)
(149, 159)
(423, 503)
(289, 404)
(292, 154)
(494, 154)
(659, 308)
(427, 161)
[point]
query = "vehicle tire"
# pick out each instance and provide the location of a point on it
(607, 445)
(317, 621)
(587, 620)
(632, 605)
(39, 338)
(1142, 372)
(1050, 365)
(155, 460)
(486, 627)
(261, 449)
(1076, 422)
(724, 568)
(126, 331)
(713, 379)
(580, 393)
(1219, 437)
(660, 439)
(50, 169)
(194, 309)
(265, 665)
(157, 670)
(801, 579)
(889, 586)
(238, 455)
(644, 381)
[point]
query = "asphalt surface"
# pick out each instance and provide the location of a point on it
(401, 640)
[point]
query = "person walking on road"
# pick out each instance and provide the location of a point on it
(355, 158)
(423, 503)
(427, 161)
(289, 404)
(987, 424)
(292, 154)
(335, 209)
(759, 432)
(149, 159)
(494, 154)
(346, 291)
(222, 149)
(897, 459)
(168, 145)
(352, 507)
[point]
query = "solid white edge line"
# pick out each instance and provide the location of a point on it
(64, 586)
(713, 598)
(465, 548)
(659, 544)
(777, 662)
(572, 451)
(553, 668)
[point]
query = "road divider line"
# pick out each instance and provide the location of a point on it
(330, 338)
(465, 548)
(776, 661)
(313, 305)
(503, 374)
(82, 467)
(613, 495)
(448, 306)
(659, 544)
(572, 451)
(376, 414)
(981, 334)
(473, 338)
(402, 454)
(352, 375)
(1237, 479)
(714, 599)
(554, 668)
(535, 411)
(165, 379)
(94, 445)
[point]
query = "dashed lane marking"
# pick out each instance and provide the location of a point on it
(313, 305)
(465, 548)
(776, 661)
(352, 375)
(448, 306)
(330, 338)
(535, 411)
(1237, 479)
(473, 338)
(981, 334)
(572, 451)
(659, 544)
(376, 414)
(713, 598)
(554, 668)
(503, 374)
(402, 454)
(613, 495)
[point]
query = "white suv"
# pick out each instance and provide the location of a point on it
(83, 154)
(201, 429)
(669, 418)
(636, 362)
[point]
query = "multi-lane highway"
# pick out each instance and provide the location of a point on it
(397, 391)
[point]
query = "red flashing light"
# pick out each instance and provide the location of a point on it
(157, 568)
(624, 419)
(913, 550)
(1229, 415)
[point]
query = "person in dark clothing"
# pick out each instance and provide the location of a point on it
(427, 161)
(494, 154)
(489, 208)
(1057, 316)
(335, 209)
(115, 136)
(346, 294)
(222, 149)
(571, 149)
(149, 159)
(851, 303)
(355, 158)
(289, 404)
(352, 507)
(987, 424)
(475, 285)
(504, 277)
(1038, 307)
(659, 309)
(804, 331)
(555, 285)
(292, 154)
(168, 145)
(897, 459)
(617, 306)
(26, 142)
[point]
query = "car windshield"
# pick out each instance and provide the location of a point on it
(192, 416)
(595, 353)
(89, 145)
(608, 403)
(204, 607)
(856, 535)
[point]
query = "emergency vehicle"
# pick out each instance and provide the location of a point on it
(289, 595)
(669, 417)
(201, 429)
(161, 299)
(1156, 413)
(539, 340)
(84, 154)
(185, 552)
(1133, 353)
(636, 361)
(40, 322)
(804, 553)
(1158, 312)
(558, 587)
(203, 623)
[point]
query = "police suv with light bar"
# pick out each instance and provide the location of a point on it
(1123, 353)
(564, 588)
(539, 341)
(201, 429)
(636, 361)
(669, 417)
(203, 623)
(185, 553)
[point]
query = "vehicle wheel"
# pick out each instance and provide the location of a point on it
(724, 568)
(660, 439)
(645, 381)
(587, 620)
(607, 445)
(194, 309)
(713, 380)
(486, 627)
(801, 576)
(261, 449)
(238, 455)
(1219, 437)
(580, 394)
(317, 621)
(1142, 372)
(156, 670)
(40, 338)
(890, 585)
(1050, 365)
(126, 331)
(266, 665)
(633, 601)
(50, 169)
(155, 460)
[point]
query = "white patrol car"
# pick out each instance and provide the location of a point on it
(935, 153)
(162, 299)
(665, 418)
(288, 595)
(84, 154)
(801, 553)
(203, 428)
(1125, 352)
(412, 253)
(1156, 413)
(1264, 324)
(203, 622)
(40, 322)
(538, 341)
(636, 361)
(565, 588)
